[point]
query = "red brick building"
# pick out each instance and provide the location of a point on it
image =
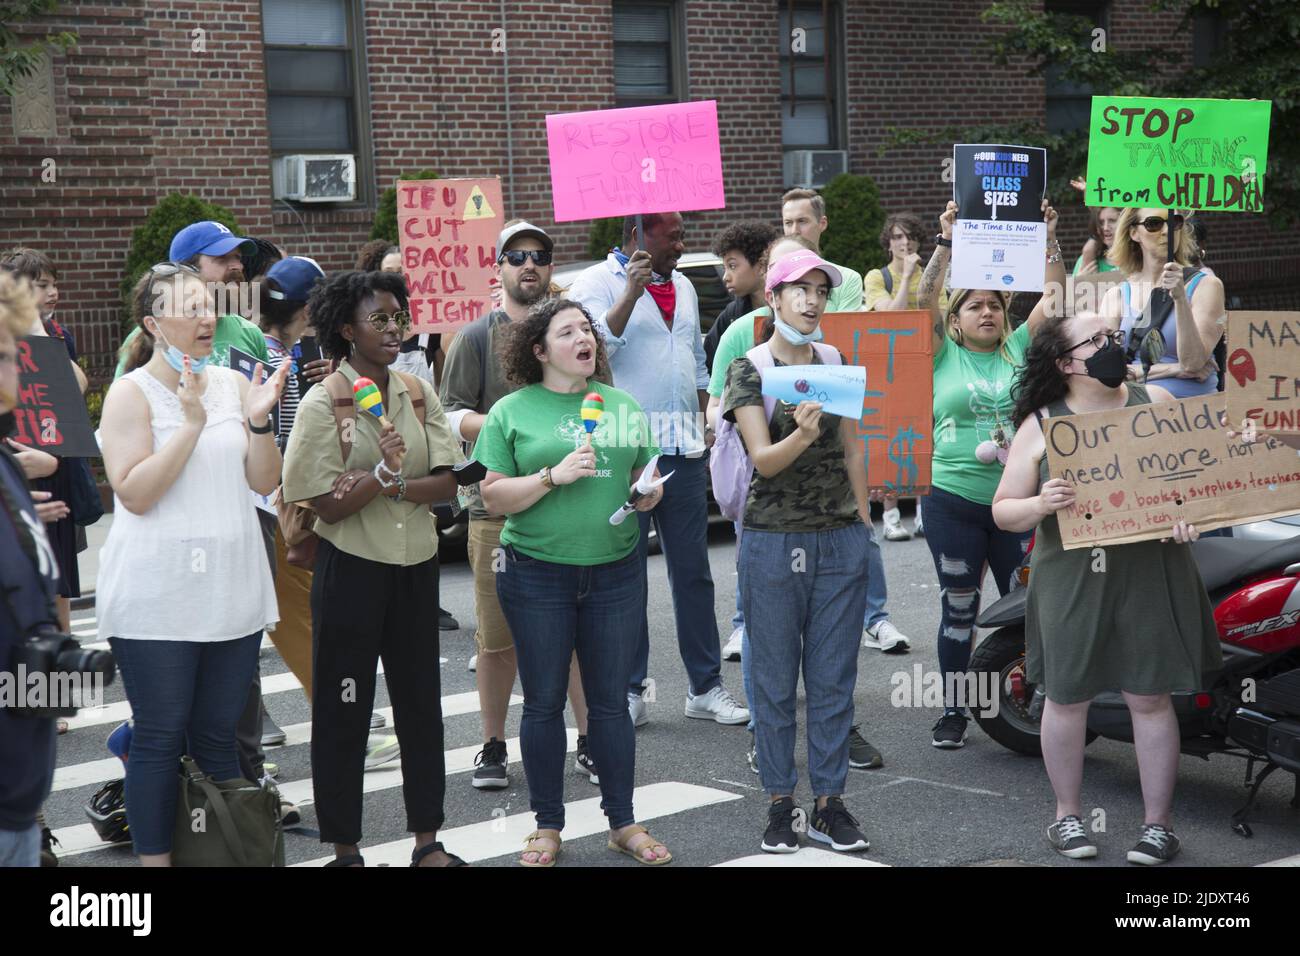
(183, 96)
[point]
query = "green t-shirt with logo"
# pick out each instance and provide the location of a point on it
(536, 427)
(230, 330)
(972, 398)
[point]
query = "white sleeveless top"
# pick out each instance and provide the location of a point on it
(193, 567)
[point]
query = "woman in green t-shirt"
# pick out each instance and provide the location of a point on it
(976, 358)
(569, 578)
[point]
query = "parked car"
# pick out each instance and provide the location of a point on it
(702, 268)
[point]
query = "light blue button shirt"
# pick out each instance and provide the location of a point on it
(663, 368)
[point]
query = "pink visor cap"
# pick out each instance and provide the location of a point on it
(795, 267)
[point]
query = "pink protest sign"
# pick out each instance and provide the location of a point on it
(448, 231)
(664, 158)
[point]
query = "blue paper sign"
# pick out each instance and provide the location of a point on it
(840, 389)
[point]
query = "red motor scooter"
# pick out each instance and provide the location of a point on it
(1250, 708)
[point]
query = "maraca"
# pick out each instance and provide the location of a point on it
(593, 406)
(367, 397)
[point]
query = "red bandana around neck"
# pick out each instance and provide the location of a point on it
(665, 296)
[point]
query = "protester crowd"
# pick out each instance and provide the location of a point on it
(274, 504)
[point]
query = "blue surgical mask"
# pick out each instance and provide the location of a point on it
(176, 358)
(795, 337)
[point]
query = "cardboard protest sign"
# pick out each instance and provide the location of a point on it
(999, 240)
(897, 423)
(839, 388)
(1139, 470)
(1178, 153)
(51, 413)
(1263, 373)
(663, 158)
(448, 231)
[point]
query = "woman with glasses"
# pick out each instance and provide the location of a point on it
(1190, 329)
(1144, 627)
(184, 587)
(371, 485)
(976, 358)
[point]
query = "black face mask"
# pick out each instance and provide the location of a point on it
(1108, 366)
(8, 424)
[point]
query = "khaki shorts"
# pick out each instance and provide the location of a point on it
(493, 632)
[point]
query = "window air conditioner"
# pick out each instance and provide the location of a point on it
(814, 168)
(325, 178)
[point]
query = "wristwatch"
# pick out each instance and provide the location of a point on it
(263, 430)
(939, 240)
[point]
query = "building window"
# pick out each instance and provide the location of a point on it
(315, 75)
(648, 53)
(1069, 105)
(811, 76)
(1209, 38)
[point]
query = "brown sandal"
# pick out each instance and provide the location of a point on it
(535, 837)
(635, 852)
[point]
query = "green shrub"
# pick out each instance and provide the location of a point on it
(152, 239)
(605, 234)
(385, 226)
(853, 237)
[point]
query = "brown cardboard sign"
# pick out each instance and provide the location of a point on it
(1263, 373)
(1139, 470)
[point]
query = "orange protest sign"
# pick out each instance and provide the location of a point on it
(897, 425)
(1263, 371)
(448, 231)
(1139, 470)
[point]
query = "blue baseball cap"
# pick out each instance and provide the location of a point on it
(207, 237)
(294, 278)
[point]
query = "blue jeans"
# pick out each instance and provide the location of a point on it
(877, 591)
(964, 541)
(186, 697)
(20, 847)
(682, 520)
(804, 595)
(553, 610)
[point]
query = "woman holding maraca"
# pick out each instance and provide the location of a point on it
(571, 579)
(368, 473)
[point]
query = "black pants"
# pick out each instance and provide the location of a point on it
(363, 611)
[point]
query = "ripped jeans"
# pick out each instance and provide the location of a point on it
(964, 541)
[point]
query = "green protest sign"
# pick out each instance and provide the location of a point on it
(1178, 153)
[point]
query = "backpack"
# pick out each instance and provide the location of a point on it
(730, 467)
(889, 279)
(298, 520)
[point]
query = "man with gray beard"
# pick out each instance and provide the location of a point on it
(472, 382)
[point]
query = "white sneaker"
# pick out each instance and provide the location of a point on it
(885, 637)
(636, 707)
(472, 666)
(717, 705)
(381, 751)
(731, 650)
(894, 530)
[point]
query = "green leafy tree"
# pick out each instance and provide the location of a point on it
(855, 218)
(151, 241)
(605, 235)
(21, 55)
(1258, 60)
(385, 226)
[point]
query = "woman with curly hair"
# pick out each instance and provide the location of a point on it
(1088, 632)
(571, 580)
(371, 485)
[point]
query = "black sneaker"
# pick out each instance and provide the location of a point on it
(1069, 838)
(582, 763)
(446, 622)
(48, 842)
(834, 824)
(491, 763)
(950, 731)
(1158, 845)
(782, 818)
(862, 756)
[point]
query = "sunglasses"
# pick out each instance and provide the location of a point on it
(165, 269)
(517, 257)
(1156, 223)
(1101, 340)
(379, 320)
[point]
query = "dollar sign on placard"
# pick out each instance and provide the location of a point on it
(900, 453)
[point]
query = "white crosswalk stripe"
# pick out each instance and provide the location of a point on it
(97, 771)
(807, 856)
(505, 835)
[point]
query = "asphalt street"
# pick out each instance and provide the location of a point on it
(924, 807)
